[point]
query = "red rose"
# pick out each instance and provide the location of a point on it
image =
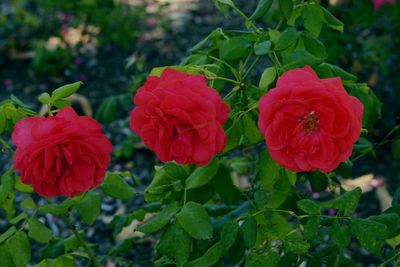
(180, 118)
(309, 123)
(61, 155)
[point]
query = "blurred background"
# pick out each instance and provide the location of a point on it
(111, 45)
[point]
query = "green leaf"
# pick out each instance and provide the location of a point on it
(107, 110)
(65, 91)
(263, 48)
(5, 257)
(312, 16)
(370, 234)
(267, 78)
(295, 244)
(251, 131)
(28, 203)
(72, 243)
(331, 20)
(235, 48)
(227, 2)
(348, 202)
(372, 104)
(229, 233)
(270, 259)
(296, 13)
(261, 9)
(115, 186)
(7, 185)
(326, 70)
(393, 242)
(311, 227)
(176, 244)
(8, 206)
(195, 220)
(7, 234)
(340, 235)
(288, 38)
(249, 232)
(214, 34)
(274, 35)
(209, 258)
(159, 70)
(167, 178)
(18, 101)
(38, 231)
(309, 206)
(20, 249)
(164, 261)
(89, 207)
(44, 98)
(234, 134)
(224, 186)
(314, 46)
(279, 191)
(391, 220)
(62, 261)
(269, 170)
(300, 58)
(292, 177)
(65, 261)
(21, 187)
(286, 6)
(275, 226)
(159, 221)
(56, 209)
(19, 218)
(202, 175)
(3, 120)
(61, 103)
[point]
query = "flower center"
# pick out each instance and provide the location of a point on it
(310, 122)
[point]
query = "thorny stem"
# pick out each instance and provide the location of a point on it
(232, 69)
(254, 27)
(184, 197)
(224, 79)
(251, 67)
(382, 142)
(234, 89)
(337, 259)
(291, 213)
(383, 264)
(279, 24)
(275, 59)
(82, 242)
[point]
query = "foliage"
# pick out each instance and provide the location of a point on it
(203, 217)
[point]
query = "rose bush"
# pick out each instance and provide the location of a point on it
(309, 123)
(225, 196)
(180, 117)
(65, 154)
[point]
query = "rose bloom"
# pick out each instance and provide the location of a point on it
(180, 118)
(309, 123)
(64, 154)
(379, 3)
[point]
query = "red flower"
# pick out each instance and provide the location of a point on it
(180, 118)
(61, 155)
(309, 123)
